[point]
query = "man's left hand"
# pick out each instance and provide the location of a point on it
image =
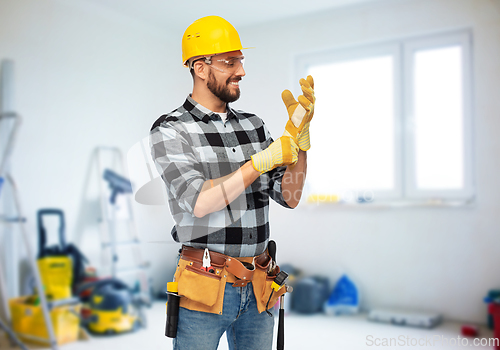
(300, 113)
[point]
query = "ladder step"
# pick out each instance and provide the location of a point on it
(100, 220)
(109, 244)
(133, 269)
(63, 302)
(6, 218)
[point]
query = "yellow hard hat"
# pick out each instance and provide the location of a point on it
(209, 36)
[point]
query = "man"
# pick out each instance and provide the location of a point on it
(220, 167)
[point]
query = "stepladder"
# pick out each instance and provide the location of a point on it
(9, 124)
(121, 247)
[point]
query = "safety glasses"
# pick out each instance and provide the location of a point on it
(228, 65)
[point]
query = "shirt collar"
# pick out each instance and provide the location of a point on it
(204, 114)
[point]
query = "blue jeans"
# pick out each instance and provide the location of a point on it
(245, 328)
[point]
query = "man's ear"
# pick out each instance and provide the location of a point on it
(200, 70)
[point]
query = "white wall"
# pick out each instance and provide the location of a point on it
(84, 77)
(443, 259)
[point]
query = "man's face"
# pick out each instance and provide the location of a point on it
(225, 85)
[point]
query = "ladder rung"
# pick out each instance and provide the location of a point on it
(100, 220)
(61, 302)
(109, 244)
(132, 269)
(6, 218)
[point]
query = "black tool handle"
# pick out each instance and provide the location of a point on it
(172, 315)
(42, 234)
(271, 249)
(281, 330)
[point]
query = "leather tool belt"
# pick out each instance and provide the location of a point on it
(204, 290)
(241, 270)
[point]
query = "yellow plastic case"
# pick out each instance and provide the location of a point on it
(29, 325)
(56, 273)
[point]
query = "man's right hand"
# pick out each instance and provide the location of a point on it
(283, 151)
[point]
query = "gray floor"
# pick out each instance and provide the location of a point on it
(301, 332)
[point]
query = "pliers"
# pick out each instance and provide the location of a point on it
(207, 266)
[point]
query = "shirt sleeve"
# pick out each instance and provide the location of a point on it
(275, 190)
(176, 161)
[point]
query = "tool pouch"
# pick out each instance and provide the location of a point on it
(204, 291)
(262, 286)
(200, 290)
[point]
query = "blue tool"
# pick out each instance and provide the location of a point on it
(118, 184)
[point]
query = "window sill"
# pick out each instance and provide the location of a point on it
(391, 203)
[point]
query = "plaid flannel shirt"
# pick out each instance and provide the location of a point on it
(191, 145)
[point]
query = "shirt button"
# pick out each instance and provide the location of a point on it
(234, 150)
(224, 125)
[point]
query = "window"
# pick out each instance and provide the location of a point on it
(392, 121)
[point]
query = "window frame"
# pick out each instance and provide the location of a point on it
(462, 39)
(402, 50)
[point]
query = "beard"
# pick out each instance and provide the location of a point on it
(222, 91)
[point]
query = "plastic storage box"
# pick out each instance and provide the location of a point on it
(494, 310)
(29, 325)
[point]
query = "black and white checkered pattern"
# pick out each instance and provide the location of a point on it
(191, 145)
